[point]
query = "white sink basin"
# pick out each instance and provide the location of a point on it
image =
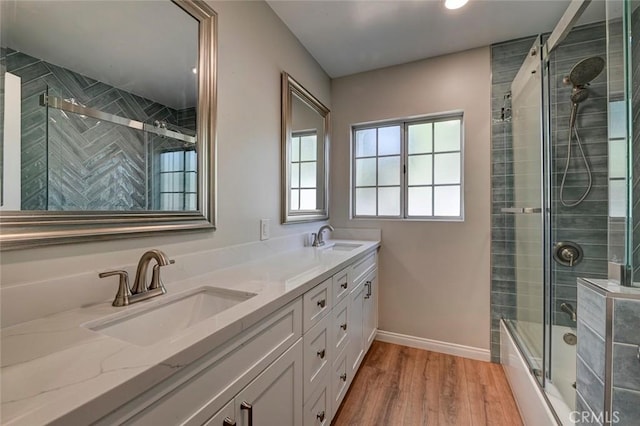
(168, 318)
(341, 247)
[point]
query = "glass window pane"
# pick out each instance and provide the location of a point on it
(308, 199)
(308, 175)
(365, 143)
(295, 200)
(178, 182)
(191, 161)
(164, 161)
(178, 161)
(420, 202)
(366, 172)
(420, 138)
(617, 120)
(446, 201)
(447, 168)
(165, 181)
(389, 171)
(447, 135)
(192, 202)
(295, 175)
(617, 158)
(190, 184)
(365, 202)
(295, 149)
(308, 148)
(420, 172)
(389, 201)
(389, 140)
(617, 198)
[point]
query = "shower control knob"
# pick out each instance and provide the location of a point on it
(567, 253)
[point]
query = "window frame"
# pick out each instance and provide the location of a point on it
(404, 124)
(184, 173)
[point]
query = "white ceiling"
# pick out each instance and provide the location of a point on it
(145, 47)
(348, 37)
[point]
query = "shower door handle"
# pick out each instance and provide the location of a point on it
(521, 210)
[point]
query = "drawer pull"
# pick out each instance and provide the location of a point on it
(322, 303)
(343, 377)
(344, 326)
(368, 295)
(246, 406)
(228, 422)
(321, 354)
(344, 285)
(320, 416)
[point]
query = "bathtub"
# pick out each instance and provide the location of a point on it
(554, 404)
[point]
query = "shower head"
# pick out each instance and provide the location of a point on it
(579, 94)
(585, 71)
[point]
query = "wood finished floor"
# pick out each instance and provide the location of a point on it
(402, 386)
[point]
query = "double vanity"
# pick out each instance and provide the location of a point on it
(273, 340)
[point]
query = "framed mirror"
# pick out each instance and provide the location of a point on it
(107, 120)
(305, 154)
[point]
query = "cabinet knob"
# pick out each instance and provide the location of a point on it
(321, 354)
(344, 285)
(320, 416)
(228, 422)
(343, 377)
(322, 303)
(344, 326)
(246, 406)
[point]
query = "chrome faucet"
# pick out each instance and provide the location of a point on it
(569, 310)
(318, 241)
(140, 290)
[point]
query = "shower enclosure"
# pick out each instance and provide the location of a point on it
(561, 197)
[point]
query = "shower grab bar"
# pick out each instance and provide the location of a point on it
(521, 210)
(64, 105)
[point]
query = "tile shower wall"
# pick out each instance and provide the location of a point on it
(585, 224)
(626, 364)
(79, 151)
(635, 109)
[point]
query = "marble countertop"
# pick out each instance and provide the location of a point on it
(614, 287)
(52, 366)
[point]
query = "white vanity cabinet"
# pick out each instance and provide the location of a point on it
(293, 368)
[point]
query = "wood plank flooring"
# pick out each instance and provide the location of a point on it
(402, 386)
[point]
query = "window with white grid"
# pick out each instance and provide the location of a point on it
(409, 169)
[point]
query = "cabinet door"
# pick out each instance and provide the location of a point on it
(275, 396)
(370, 309)
(355, 348)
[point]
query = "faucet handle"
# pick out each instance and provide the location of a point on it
(155, 277)
(124, 292)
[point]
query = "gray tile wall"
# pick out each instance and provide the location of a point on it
(586, 223)
(626, 365)
(590, 359)
(635, 149)
(87, 162)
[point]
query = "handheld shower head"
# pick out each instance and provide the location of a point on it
(579, 94)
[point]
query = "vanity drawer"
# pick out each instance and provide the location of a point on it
(317, 411)
(201, 389)
(317, 355)
(317, 303)
(360, 269)
(339, 323)
(339, 380)
(341, 285)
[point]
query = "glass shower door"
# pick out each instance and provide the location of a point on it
(527, 212)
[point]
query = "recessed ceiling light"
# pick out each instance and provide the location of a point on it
(194, 70)
(454, 4)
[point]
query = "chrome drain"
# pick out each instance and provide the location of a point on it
(570, 339)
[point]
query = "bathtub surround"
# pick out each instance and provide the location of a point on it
(608, 370)
(434, 274)
(585, 224)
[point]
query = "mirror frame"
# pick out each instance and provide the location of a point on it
(290, 87)
(26, 229)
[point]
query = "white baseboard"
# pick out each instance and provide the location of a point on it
(434, 345)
